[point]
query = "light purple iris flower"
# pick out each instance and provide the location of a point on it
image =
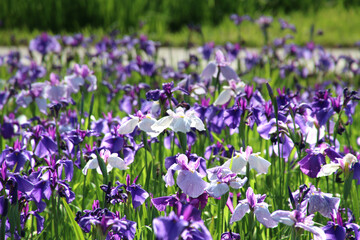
(298, 219)
(77, 79)
(189, 180)
(220, 64)
(221, 178)
(314, 200)
(254, 203)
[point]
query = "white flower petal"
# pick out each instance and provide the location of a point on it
(92, 164)
(223, 97)
(161, 124)
(259, 164)
(180, 125)
(282, 216)
(146, 124)
(197, 123)
(238, 165)
(129, 126)
(92, 80)
(328, 169)
(116, 162)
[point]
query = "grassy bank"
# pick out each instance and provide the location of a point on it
(338, 24)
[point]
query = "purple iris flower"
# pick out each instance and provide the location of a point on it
(45, 147)
(138, 194)
(326, 62)
(254, 203)
(108, 222)
(112, 142)
(119, 194)
(232, 116)
(232, 51)
(186, 224)
(115, 194)
(268, 130)
(264, 21)
(322, 107)
(220, 64)
(251, 60)
(8, 126)
(207, 50)
(77, 79)
(179, 199)
(148, 46)
(313, 162)
(230, 236)
(45, 44)
(239, 19)
(16, 157)
(285, 25)
(338, 229)
(189, 179)
(73, 41)
(4, 96)
(218, 149)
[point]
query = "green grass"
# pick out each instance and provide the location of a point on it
(339, 30)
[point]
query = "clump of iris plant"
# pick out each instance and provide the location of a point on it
(106, 224)
(185, 224)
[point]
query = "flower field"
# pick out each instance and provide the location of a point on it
(105, 140)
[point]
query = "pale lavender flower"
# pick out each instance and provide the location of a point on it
(189, 180)
(77, 79)
(254, 203)
(220, 64)
(298, 219)
(221, 178)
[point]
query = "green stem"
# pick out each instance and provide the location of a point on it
(55, 217)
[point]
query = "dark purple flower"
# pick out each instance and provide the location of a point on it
(184, 224)
(45, 147)
(16, 156)
(338, 229)
(312, 162)
(207, 50)
(230, 236)
(108, 222)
